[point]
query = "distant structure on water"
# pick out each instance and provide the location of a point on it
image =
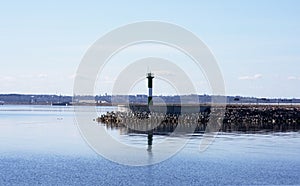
(233, 117)
(61, 104)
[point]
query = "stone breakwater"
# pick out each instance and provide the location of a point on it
(279, 118)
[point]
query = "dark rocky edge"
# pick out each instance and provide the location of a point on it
(244, 118)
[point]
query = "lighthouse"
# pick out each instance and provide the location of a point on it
(150, 86)
(150, 102)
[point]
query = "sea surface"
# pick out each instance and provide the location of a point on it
(41, 145)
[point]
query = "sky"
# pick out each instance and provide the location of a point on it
(256, 43)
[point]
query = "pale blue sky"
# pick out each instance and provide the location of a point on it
(256, 43)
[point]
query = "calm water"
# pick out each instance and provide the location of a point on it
(41, 145)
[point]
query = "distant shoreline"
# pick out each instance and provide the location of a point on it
(108, 100)
(244, 105)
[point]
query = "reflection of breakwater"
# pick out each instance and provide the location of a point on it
(237, 118)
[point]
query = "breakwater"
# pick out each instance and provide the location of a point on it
(243, 118)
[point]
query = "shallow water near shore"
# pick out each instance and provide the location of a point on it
(42, 145)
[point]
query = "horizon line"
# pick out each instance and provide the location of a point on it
(204, 94)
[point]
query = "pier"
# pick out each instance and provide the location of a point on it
(243, 118)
